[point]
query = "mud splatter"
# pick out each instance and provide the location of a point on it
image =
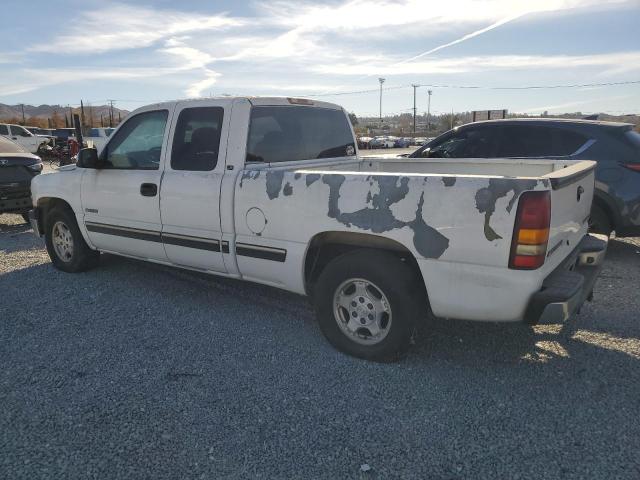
(287, 190)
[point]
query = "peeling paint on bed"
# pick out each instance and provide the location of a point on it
(311, 178)
(274, 183)
(487, 197)
(250, 174)
(449, 181)
(287, 190)
(379, 218)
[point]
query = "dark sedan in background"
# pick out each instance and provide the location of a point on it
(614, 146)
(17, 168)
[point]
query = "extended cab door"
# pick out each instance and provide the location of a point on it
(120, 201)
(190, 192)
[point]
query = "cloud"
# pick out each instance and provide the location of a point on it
(120, 27)
(196, 89)
(611, 63)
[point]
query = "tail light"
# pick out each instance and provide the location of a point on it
(632, 166)
(531, 231)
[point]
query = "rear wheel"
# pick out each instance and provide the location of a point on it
(368, 304)
(599, 221)
(66, 246)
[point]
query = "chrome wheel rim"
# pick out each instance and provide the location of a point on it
(62, 241)
(362, 311)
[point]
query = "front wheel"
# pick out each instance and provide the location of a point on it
(369, 303)
(66, 246)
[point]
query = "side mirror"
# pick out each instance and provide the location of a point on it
(88, 158)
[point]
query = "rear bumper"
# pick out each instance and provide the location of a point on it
(564, 291)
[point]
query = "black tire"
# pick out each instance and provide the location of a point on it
(599, 221)
(81, 257)
(398, 283)
(25, 217)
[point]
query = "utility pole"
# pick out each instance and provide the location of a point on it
(452, 119)
(381, 80)
(414, 108)
(111, 112)
(23, 121)
(429, 111)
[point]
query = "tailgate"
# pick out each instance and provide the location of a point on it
(571, 196)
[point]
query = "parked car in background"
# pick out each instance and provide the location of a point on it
(419, 141)
(382, 142)
(377, 243)
(44, 133)
(403, 142)
(97, 137)
(63, 135)
(22, 136)
(17, 168)
(364, 142)
(615, 146)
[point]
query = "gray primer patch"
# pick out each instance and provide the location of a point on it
(297, 175)
(312, 178)
(427, 240)
(487, 197)
(449, 181)
(274, 183)
(287, 190)
(250, 174)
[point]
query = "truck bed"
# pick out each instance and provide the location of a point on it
(456, 217)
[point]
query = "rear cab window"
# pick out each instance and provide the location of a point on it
(196, 143)
(289, 133)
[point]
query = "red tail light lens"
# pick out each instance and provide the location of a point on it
(632, 166)
(531, 231)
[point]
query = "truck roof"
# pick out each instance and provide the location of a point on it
(255, 100)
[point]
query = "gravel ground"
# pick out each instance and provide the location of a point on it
(139, 371)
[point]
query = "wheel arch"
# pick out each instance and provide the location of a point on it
(607, 204)
(326, 246)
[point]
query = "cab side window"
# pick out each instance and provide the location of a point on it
(138, 143)
(19, 131)
(196, 143)
(538, 141)
(4, 130)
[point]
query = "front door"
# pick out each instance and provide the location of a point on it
(120, 201)
(190, 192)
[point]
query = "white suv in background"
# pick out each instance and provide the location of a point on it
(22, 136)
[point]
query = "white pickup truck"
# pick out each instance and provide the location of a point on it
(272, 190)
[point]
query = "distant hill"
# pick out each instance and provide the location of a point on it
(39, 114)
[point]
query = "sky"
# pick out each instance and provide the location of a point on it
(143, 52)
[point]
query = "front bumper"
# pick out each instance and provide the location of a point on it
(34, 219)
(564, 291)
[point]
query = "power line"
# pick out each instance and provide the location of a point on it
(481, 87)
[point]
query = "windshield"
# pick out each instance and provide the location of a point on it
(7, 146)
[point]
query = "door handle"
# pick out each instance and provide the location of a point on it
(148, 189)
